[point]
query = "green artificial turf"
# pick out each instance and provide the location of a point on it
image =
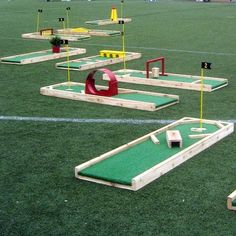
(39, 192)
(124, 166)
(157, 100)
(19, 58)
(213, 83)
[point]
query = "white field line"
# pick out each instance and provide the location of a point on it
(99, 121)
(144, 48)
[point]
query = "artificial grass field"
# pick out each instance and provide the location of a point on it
(39, 193)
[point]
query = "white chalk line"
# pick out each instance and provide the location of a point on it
(92, 120)
(145, 48)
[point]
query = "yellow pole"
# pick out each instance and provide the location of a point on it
(68, 65)
(123, 33)
(67, 17)
(201, 99)
(38, 19)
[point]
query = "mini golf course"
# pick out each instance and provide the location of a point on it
(40, 56)
(134, 99)
(141, 161)
(171, 80)
(108, 21)
(85, 31)
(37, 36)
(96, 61)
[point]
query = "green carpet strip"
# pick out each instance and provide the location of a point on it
(122, 167)
(212, 83)
(19, 58)
(157, 100)
(234, 203)
(77, 64)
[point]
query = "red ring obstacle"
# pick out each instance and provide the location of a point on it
(90, 87)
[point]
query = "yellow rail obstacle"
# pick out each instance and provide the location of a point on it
(112, 54)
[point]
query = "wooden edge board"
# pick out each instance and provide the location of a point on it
(91, 32)
(148, 106)
(165, 166)
(91, 65)
(37, 36)
(64, 53)
(230, 200)
(107, 21)
(165, 83)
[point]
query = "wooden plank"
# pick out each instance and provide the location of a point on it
(113, 101)
(35, 59)
(107, 21)
(230, 200)
(128, 78)
(37, 36)
(90, 32)
(165, 166)
(99, 63)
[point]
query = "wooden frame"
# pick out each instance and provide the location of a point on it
(90, 32)
(91, 65)
(107, 21)
(37, 36)
(165, 166)
(147, 106)
(230, 200)
(30, 60)
(170, 84)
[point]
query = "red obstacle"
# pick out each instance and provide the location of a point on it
(162, 59)
(90, 87)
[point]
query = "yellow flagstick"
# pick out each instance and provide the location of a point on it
(67, 17)
(201, 98)
(38, 19)
(123, 33)
(68, 65)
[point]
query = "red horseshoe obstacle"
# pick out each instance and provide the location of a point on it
(112, 85)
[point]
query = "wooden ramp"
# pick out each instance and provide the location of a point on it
(133, 99)
(139, 162)
(96, 61)
(38, 36)
(170, 80)
(45, 55)
(108, 21)
(231, 201)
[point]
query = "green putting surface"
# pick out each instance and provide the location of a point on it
(157, 100)
(19, 58)
(77, 64)
(107, 32)
(124, 166)
(234, 203)
(212, 83)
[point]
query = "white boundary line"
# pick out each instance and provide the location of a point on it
(98, 121)
(144, 48)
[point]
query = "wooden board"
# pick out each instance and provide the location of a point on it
(39, 56)
(189, 82)
(107, 21)
(90, 32)
(221, 130)
(37, 36)
(96, 61)
(230, 200)
(71, 92)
